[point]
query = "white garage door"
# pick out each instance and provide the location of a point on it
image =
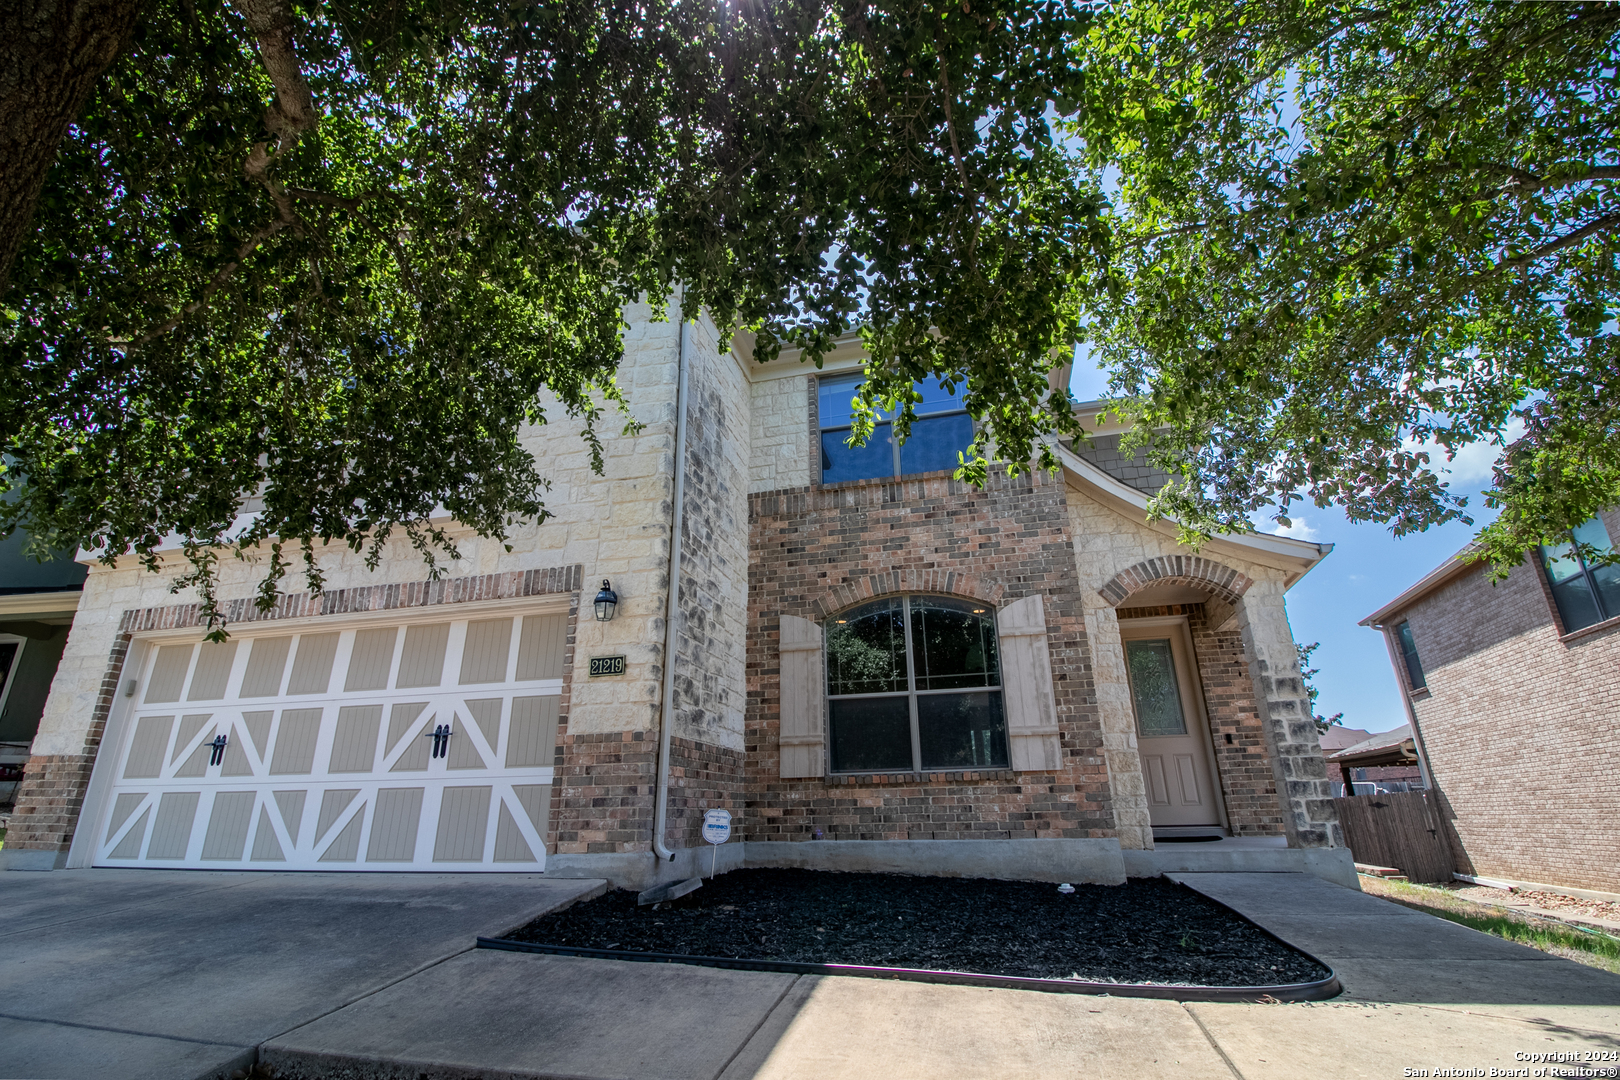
(427, 746)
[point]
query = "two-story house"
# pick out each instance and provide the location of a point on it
(869, 663)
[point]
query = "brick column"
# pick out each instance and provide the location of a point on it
(1309, 816)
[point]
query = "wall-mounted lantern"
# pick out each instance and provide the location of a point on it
(607, 601)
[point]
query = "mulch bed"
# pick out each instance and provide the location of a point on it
(1149, 930)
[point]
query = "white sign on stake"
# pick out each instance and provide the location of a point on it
(716, 830)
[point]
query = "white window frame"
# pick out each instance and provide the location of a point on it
(16, 663)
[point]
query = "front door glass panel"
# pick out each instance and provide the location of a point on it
(1154, 688)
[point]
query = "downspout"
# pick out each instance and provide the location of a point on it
(666, 718)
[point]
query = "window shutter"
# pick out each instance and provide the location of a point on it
(1026, 686)
(803, 690)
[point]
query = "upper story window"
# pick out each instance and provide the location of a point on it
(941, 430)
(1409, 655)
(1585, 594)
(913, 683)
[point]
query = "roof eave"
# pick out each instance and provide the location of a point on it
(1295, 558)
(1453, 568)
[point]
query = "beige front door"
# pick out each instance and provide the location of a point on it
(1172, 732)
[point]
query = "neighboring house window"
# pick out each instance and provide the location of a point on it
(1585, 594)
(9, 648)
(913, 683)
(1414, 670)
(941, 430)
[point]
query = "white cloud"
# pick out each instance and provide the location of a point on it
(1472, 466)
(1298, 529)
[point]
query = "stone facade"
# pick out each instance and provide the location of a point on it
(1517, 724)
(1120, 559)
(761, 539)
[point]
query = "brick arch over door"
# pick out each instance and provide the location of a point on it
(1194, 571)
(893, 582)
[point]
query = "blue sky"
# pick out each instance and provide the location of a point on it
(1366, 568)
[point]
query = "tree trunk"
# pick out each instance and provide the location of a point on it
(51, 55)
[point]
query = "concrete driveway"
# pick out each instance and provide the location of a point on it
(180, 974)
(142, 973)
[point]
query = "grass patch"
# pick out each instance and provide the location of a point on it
(1594, 950)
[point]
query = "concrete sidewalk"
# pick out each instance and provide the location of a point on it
(184, 973)
(1420, 993)
(180, 974)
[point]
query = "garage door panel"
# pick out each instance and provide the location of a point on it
(147, 747)
(532, 738)
(345, 846)
(172, 828)
(408, 726)
(487, 652)
(320, 730)
(291, 805)
(372, 660)
(463, 825)
(395, 825)
(267, 664)
(422, 662)
(130, 843)
(247, 740)
(510, 846)
(169, 672)
(354, 741)
(228, 822)
(312, 664)
(475, 733)
(190, 745)
(295, 739)
(123, 807)
(213, 671)
(541, 648)
(267, 846)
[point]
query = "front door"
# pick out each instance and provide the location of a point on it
(1172, 736)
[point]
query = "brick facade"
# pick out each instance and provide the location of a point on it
(819, 549)
(1518, 725)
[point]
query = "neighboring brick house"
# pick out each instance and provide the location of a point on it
(1367, 779)
(37, 601)
(1513, 690)
(867, 662)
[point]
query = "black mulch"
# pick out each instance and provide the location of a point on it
(1148, 930)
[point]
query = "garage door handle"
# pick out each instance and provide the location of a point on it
(441, 740)
(218, 753)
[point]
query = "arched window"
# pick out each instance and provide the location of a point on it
(913, 684)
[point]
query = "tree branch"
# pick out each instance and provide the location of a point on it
(294, 110)
(221, 276)
(950, 126)
(1607, 221)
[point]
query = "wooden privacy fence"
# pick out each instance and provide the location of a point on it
(1400, 829)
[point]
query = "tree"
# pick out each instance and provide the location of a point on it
(1305, 673)
(1355, 238)
(326, 255)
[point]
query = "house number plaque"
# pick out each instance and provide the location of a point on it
(606, 665)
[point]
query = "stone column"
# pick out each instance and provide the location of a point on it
(1309, 816)
(1132, 818)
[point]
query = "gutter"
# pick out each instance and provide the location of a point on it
(666, 719)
